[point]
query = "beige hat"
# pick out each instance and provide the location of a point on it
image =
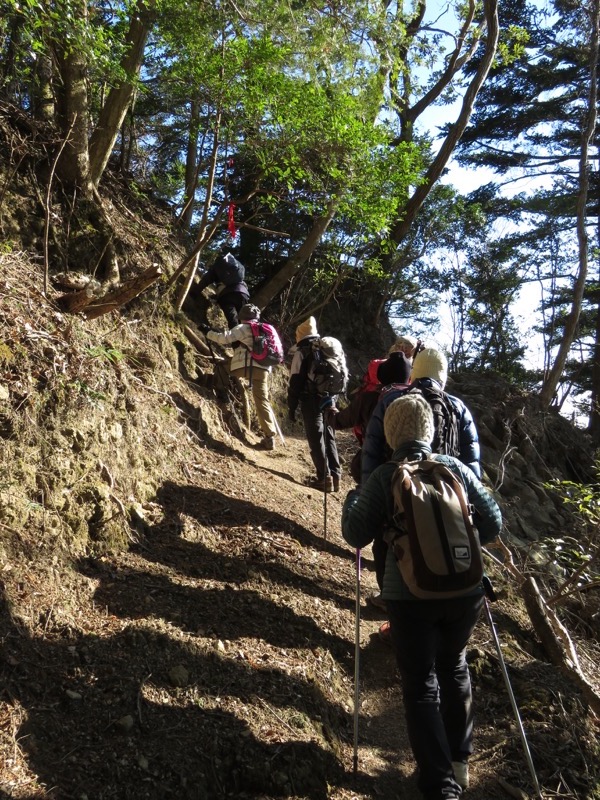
(407, 419)
(306, 328)
(404, 344)
(430, 363)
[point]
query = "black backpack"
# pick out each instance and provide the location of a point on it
(446, 439)
(229, 270)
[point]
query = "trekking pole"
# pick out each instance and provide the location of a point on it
(212, 352)
(278, 429)
(356, 662)
(489, 592)
(324, 407)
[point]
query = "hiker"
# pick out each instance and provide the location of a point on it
(430, 636)
(381, 372)
(228, 274)
(244, 366)
(408, 345)
(428, 376)
(315, 398)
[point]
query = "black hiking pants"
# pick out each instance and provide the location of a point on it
(429, 639)
(321, 438)
(230, 303)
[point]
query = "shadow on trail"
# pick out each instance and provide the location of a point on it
(210, 507)
(70, 694)
(224, 613)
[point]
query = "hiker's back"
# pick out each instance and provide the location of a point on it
(229, 270)
(267, 350)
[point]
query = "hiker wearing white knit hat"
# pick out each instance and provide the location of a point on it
(429, 636)
(455, 431)
(409, 420)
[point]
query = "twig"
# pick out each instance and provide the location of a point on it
(47, 204)
(276, 715)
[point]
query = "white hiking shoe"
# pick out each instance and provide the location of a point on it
(461, 773)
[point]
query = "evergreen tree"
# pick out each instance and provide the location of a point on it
(537, 121)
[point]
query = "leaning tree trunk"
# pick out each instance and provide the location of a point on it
(271, 289)
(113, 112)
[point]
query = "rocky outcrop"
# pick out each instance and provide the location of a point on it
(524, 449)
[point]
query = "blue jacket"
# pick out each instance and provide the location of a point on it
(375, 450)
(368, 512)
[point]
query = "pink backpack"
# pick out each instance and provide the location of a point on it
(267, 349)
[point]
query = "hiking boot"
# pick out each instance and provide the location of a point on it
(268, 443)
(321, 485)
(461, 773)
(336, 483)
(377, 601)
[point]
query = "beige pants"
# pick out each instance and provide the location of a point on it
(260, 393)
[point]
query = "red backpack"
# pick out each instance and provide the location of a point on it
(369, 379)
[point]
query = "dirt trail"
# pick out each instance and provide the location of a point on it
(218, 651)
(385, 761)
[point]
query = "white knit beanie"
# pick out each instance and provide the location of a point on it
(408, 418)
(430, 363)
(306, 328)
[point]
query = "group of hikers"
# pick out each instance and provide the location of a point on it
(404, 421)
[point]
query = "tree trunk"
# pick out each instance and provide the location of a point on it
(205, 232)
(191, 166)
(270, 290)
(551, 382)
(42, 94)
(556, 641)
(594, 425)
(114, 110)
(74, 163)
(412, 207)
(87, 301)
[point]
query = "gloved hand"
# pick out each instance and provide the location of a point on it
(292, 415)
(202, 326)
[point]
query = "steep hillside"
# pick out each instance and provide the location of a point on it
(178, 614)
